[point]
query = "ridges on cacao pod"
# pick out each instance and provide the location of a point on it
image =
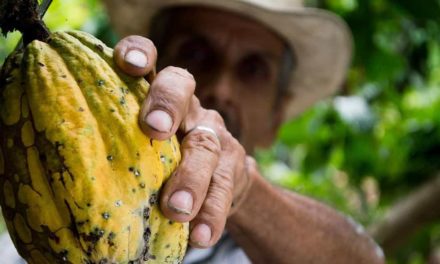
(79, 180)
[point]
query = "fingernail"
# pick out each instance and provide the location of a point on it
(201, 235)
(159, 120)
(136, 58)
(181, 202)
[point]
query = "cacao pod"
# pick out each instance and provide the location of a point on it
(79, 180)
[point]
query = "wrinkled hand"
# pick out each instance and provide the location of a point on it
(213, 172)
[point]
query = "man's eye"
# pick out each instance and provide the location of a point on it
(194, 54)
(254, 68)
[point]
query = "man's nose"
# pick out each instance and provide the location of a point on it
(222, 95)
(218, 93)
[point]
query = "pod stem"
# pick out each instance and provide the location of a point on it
(23, 15)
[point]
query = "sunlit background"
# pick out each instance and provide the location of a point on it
(371, 149)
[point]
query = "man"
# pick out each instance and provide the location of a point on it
(257, 63)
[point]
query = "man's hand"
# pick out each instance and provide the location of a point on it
(213, 171)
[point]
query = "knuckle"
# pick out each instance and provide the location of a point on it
(232, 145)
(133, 38)
(187, 179)
(181, 73)
(214, 211)
(251, 161)
(134, 41)
(164, 100)
(195, 103)
(222, 177)
(251, 165)
(241, 152)
(214, 116)
(200, 140)
(214, 208)
(167, 80)
(223, 186)
(166, 95)
(233, 141)
(149, 43)
(137, 41)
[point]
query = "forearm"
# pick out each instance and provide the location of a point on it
(276, 226)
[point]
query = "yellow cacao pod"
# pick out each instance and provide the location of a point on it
(79, 181)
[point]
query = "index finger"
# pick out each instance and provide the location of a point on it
(168, 102)
(135, 55)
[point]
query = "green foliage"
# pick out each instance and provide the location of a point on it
(364, 163)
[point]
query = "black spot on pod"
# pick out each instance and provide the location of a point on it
(54, 237)
(89, 251)
(93, 236)
(106, 215)
(111, 236)
(59, 145)
(100, 48)
(153, 199)
(146, 213)
(135, 171)
(147, 234)
(124, 90)
(109, 157)
(101, 82)
(62, 255)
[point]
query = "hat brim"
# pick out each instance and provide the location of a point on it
(321, 41)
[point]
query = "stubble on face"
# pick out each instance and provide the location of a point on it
(235, 62)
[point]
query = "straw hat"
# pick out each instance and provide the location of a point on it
(321, 41)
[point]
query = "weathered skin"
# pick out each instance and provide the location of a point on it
(79, 181)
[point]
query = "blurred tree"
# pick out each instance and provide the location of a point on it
(376, 146)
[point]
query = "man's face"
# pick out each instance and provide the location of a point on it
(236, 64)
